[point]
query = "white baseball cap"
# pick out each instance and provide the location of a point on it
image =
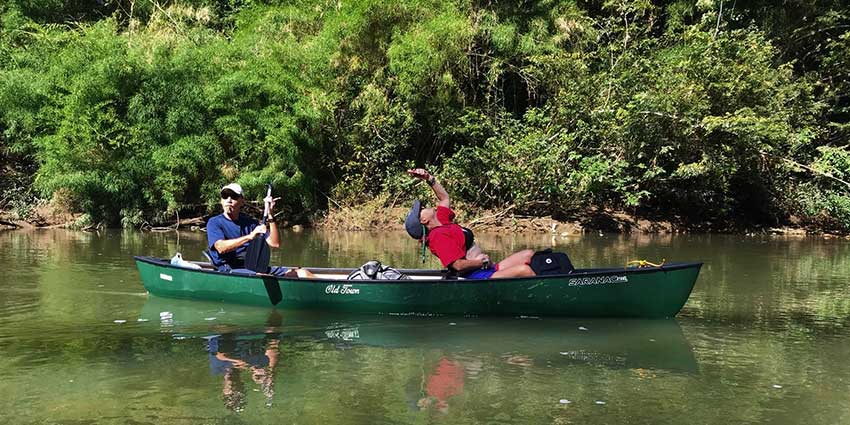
(233, 187)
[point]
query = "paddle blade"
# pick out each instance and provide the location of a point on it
(258, 254)
(273, 289)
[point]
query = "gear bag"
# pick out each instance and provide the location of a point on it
(373, 270)
(547, 262)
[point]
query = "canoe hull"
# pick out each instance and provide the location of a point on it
(648, 292)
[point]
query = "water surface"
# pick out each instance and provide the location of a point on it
(763, 339)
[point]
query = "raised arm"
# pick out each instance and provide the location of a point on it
(273, 238)
(442, 196)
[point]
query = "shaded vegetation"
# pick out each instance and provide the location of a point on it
(710, 113)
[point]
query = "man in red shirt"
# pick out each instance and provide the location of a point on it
(454, 245)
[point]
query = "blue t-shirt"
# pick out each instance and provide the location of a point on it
(220, 227)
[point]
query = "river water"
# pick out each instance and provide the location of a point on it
(762, 340)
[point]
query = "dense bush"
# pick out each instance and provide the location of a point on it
(691, 110)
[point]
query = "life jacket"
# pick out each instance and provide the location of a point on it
(468, 237)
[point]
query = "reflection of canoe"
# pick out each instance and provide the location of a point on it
(656, 344)
(650, 292)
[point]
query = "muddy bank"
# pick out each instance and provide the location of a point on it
(506, 221)
(377, 216)
(43, 215)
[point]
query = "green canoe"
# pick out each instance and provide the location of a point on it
(649, 292)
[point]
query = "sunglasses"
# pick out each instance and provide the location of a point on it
(229, 194)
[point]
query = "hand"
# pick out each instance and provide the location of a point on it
(259, 230)
(483, 258)
(419, 173)
(269, 204)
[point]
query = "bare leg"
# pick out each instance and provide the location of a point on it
(299, 272)
(521, 258)
(522, 270)
(304, 273)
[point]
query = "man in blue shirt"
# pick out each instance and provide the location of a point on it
(230, 232)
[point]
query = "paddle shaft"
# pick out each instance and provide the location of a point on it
(266, 204)
(258, 255)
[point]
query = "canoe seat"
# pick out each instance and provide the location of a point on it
(208, 265)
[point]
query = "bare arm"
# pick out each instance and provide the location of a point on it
(464, 265)
(442, 196)
(226, 358)
(226, 245)
(274, 237)
(272, 351)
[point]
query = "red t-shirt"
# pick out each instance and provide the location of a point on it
(447, 242)
(445, 215)
(446, 381)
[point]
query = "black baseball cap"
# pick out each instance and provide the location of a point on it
(412, 223)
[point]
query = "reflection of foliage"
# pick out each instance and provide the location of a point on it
(679, 108)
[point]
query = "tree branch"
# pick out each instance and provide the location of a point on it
(719, 14)
(810, 169)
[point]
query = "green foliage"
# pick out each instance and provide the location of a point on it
(681, 109)
(128, 121)
(427, 57)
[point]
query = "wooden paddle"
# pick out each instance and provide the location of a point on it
(258, 254)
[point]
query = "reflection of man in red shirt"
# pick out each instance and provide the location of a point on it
(454, 245)
(446, 381)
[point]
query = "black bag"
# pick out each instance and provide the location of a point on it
(373, 270)
(547, 262)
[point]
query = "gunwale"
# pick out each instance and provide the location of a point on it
(340, 270)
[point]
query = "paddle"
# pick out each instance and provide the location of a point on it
(273, 289)
(258, 253)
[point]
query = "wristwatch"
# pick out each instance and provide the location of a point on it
(432, 180)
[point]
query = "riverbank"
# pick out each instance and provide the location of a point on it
(376, 216)
(42, 215)
(506, 220)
